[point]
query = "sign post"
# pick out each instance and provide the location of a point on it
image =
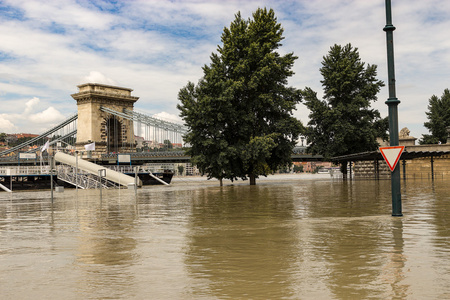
(392, 104)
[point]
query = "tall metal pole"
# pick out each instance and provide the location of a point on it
(76, 171)
(135, 180)
(51, 176)
(101, 174)
(392, 103)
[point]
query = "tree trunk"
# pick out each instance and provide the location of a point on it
(344, 170)
(252, 179)
(221, 181)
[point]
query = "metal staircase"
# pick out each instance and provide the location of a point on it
(83, 179)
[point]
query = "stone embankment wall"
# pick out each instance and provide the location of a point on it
(419, 168)
(366, 169)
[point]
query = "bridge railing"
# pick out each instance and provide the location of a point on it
(147, 154)
(43, 136)
(24, 170)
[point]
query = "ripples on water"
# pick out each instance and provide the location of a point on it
(292, 239)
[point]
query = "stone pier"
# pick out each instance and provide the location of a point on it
(110, 133)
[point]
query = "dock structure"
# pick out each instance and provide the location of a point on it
(25, 177)
(72, 171)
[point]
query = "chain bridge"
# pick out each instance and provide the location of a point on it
(107, 120)
(64, 136)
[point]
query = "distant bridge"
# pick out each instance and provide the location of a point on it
(148, 127)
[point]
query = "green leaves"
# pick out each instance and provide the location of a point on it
(343, 123)
(239, 115)
(257, 153)
(438, 116)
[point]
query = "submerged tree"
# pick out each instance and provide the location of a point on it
(343, 123)
(239, 115)
(438, 116)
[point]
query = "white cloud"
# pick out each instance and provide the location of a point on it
(97, 77)
(48, 116)
(168, 117)
(63, 13)
(30, 105)
(6, 125)
(32, 119)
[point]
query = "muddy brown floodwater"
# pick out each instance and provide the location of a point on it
(285, 238)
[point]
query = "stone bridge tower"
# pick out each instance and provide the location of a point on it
(109, 132)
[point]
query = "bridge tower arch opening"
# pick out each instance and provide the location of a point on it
(113, 132)
(109, 132)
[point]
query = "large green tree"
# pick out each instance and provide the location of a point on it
(343, 122)
(438, 116)
(239, 115)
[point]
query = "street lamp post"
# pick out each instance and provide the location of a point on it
(392, 103)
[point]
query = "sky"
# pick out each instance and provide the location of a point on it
(156, 47)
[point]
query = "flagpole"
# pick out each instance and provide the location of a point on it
(43, 149)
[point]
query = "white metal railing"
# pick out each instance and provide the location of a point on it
(130, 169)
(25, 170)
(121, 169)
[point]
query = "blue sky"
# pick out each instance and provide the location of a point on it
(49, 47)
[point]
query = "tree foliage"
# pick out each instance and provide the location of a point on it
(3, 137)
(343, 122)
(239, 115)
(20, 141)
(438, 116)
(168, 144)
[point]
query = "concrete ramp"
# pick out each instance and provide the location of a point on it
(92, 168)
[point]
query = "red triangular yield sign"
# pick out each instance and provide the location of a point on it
(392, 155)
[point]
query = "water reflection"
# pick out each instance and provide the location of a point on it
(106, 234)
(106, 244)
(240, 242)
(394, 269)
(432, 232)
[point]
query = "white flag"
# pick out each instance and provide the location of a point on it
(90, 147)
(45, 147)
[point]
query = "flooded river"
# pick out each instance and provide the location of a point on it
(285, 238)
